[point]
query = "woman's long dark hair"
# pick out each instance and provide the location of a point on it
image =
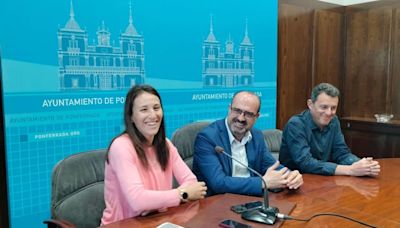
(137, 138)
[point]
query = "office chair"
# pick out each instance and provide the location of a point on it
(183, 139)
(77, 191)
(273, 140)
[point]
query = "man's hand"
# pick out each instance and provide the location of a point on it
(276, 178)
(365, 167)
(295, 179)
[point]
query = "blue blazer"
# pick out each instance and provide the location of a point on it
(216, 168)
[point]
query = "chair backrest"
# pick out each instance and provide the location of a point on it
(77, 193)
(183, 139)
(273, 140)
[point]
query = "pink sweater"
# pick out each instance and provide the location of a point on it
(130, 189)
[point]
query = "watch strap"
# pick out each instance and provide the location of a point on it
(184, 196)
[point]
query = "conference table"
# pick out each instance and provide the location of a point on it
(373, 200)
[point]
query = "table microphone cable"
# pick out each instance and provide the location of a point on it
(287, 217)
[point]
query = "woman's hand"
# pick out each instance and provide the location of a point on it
(195, 191)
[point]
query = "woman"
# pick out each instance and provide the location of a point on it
(141, 162)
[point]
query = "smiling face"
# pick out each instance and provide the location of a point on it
(147, 115)
(243, 113)
(323, 109)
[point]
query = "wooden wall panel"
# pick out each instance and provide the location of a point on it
(356, 48)
(310, 51)
(328, 48)
(367, 62)
(366, 144)
(367, 138)
(395, 76)
(294, 56)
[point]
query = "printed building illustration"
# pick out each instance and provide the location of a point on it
(100, 66)
(228, 67)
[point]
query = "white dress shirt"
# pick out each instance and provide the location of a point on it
(238, 149)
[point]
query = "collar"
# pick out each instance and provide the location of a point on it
(247, 137)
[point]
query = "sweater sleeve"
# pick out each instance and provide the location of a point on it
(127, 169)
(181, 171)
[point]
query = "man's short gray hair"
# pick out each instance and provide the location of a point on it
(327, 88)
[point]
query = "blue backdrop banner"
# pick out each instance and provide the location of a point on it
(67, 66)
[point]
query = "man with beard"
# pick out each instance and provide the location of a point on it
(313, 142)
(236, 135)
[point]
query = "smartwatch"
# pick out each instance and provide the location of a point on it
(184, 195)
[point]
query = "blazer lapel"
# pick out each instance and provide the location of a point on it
(251, 159)
(224, 138)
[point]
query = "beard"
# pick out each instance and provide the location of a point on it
(239, 127)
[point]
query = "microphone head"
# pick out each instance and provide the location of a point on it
(219, 149)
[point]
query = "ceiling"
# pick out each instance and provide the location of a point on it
(347, 2)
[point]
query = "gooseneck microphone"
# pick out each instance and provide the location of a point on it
(219, 149)
(265, 214)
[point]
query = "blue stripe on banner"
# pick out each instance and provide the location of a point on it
(67, 101)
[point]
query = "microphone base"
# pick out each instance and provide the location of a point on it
(261, 215)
